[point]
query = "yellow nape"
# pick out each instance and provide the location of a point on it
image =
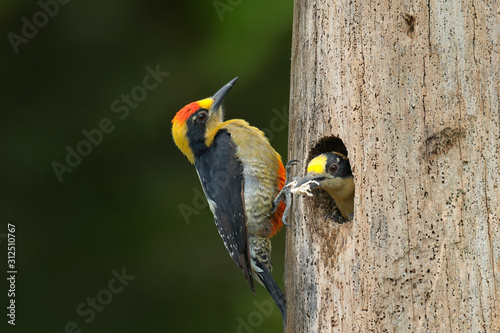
(206, 103)
(179, 131)
(317, 164)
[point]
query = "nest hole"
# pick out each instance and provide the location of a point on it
(322, 202)
(325, 145)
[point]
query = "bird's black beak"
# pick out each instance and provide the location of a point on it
(313, 177)
(219, 96)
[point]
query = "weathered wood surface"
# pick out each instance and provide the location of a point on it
(412, 88)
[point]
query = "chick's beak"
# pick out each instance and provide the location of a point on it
(314, 178)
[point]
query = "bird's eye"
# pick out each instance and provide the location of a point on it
(332, 168)
(202, 116)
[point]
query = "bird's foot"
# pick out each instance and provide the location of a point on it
(285, 192)
(288, 171)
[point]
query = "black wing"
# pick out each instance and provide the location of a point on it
(221, 176)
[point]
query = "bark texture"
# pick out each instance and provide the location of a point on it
(412, 89)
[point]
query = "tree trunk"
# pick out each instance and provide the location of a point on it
(412, 90)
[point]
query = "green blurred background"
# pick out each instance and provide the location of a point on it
(120, 207)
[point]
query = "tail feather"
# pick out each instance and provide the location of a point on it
(274, 290)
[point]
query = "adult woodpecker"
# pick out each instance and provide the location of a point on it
(240, 174)
(331, 172)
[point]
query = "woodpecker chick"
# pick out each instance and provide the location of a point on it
(240, 174)
(331, 172)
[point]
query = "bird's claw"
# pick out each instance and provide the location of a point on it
(289, 165)
(286, 192)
